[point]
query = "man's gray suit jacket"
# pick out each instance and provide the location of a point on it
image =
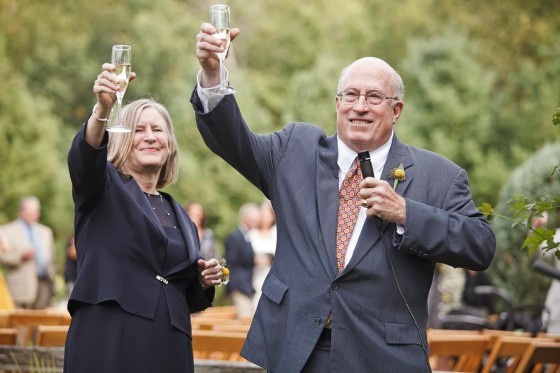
(372, 330)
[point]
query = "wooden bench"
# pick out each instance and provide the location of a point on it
(27, 321)
(8, 336)
(51, 335)
(216, 345)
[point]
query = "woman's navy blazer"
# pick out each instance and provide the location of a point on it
(121, 244)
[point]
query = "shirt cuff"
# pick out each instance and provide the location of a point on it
(400, 229)
(209, 97)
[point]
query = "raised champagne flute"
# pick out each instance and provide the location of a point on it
(121, 58)
(219, 18)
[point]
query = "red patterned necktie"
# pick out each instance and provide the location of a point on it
(348, 209)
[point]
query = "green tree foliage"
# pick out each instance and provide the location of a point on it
(480, 91)
(449, 96)
(532, 179)
(28, 143)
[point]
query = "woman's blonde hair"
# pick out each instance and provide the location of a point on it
(120, 144)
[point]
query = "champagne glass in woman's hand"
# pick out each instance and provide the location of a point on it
(121, 58)
(219, 18)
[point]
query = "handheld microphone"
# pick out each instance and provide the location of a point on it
(367, 171)
(365, 164)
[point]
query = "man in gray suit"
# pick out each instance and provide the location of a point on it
(370, 313)
(30, 262)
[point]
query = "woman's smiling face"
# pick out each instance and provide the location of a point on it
(150, 147)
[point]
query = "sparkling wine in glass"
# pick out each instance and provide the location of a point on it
(121, 58)
(219, 18)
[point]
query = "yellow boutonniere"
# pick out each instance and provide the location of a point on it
(225, 272)
(397, 174)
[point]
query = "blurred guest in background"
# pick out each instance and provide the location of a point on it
(551, 315)
(206, 236)
(6, 301)
(552, 301)
(263, 241)
(240, 259)
(30, 262)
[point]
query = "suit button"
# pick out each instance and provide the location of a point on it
(317, 321)
(334, 286)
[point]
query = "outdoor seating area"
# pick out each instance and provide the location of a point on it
(27, 327)
(218, 336)
(493, 351)
(31, 336)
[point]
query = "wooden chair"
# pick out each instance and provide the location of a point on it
(506, 353)
(27, 321)
(51, 335)
(8, 336)
(497, 334)
(457, 352)
(216, 345)
(538, 354)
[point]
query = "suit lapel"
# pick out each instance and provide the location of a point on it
(187, 232)
(397, 155)
(327, 199)
(139, 197)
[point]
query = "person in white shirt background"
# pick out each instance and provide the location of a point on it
(263, 240)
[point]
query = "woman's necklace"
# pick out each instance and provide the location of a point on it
(161, 211)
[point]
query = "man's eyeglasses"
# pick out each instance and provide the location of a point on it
(372, 98)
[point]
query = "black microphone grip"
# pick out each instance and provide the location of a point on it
(365, 164)
(367, 171)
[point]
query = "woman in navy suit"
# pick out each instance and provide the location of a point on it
(140, 272)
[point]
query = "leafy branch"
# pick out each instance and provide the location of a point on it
(522, 211)
(556, 117)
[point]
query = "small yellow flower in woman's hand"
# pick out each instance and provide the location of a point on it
(224, 272)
